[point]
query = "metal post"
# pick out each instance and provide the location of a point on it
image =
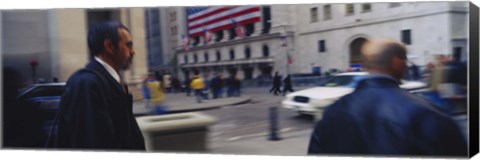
(274, 134)
(284, 37)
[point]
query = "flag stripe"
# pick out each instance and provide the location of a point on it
(218, 18)
(198, 11)
(245, 19)
(223, 13)
(229, 26)
(210, 14)
(211, 20)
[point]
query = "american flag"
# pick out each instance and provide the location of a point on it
(207, 36)
(239, 29)
(185, 42)
(219, 18)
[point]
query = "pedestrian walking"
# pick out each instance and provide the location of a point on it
(167, 83)
(176, 85)
(380, 118)
(96, 106)
(287, 85)
(154, 96)
(216, 86)
(186, 85)
(277, 83)
(453, 89)
(229, 83)
(198, 86)
(237, 86)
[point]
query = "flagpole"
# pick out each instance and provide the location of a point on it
(283, 34)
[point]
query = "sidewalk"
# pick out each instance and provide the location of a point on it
(179, 102)
(292, 143)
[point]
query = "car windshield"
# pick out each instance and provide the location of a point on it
(339, 81)
(44, 91)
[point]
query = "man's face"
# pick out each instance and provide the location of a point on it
(123, 54)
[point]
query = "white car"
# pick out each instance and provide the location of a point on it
(313, 101)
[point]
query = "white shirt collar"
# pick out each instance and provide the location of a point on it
(109, 69)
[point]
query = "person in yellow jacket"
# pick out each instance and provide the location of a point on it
(153, 93)
(198, 85)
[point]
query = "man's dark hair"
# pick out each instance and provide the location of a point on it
(101, 31)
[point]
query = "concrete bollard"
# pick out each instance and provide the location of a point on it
(273, 136)
(176, 132)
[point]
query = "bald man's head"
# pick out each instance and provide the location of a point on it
(385, 56)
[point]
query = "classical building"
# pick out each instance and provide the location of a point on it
(320, 37)
(57, 40)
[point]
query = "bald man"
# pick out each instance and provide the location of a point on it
(380, 118)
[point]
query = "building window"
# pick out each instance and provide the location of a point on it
(232, 55)
(349, 9)
(185, 59)
(266, 51)
(321, 46)
(195, 58)
(327, 12)
(392, 5)
(205, 56)
(232, 33)
(248, 53)
(249, 29)
(174, 30)
(406, 37)
(218, 36)
(174, 16)
(366, 7)
(219, 56)
(196, 40)
(314, 14)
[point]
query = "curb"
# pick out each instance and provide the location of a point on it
(213, 107)
(199, 109)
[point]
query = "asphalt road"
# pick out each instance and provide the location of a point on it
(253, 119)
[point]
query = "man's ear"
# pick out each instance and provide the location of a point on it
(108, 45)
(399, 63)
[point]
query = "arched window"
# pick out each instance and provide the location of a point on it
(265, 51)
(248, 53)
(219, 56)
(195, 58)
(232, 55)
(219, 36)
(249, 29)
(206, 56)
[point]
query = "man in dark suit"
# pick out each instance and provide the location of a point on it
(380, 118)
(96, 107)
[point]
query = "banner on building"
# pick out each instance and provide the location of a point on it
(185, 42)
(239, 29)
(207, 36)
(220, 18)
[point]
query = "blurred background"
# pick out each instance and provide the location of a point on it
(314, 43)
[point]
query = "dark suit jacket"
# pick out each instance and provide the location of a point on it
(96, 113)
(382, 119)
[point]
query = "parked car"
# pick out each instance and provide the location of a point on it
(45, 96)
(313, 100)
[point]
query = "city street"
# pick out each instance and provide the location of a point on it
(252, 119)
(244, 128)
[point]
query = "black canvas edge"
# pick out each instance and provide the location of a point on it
(473, 59)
